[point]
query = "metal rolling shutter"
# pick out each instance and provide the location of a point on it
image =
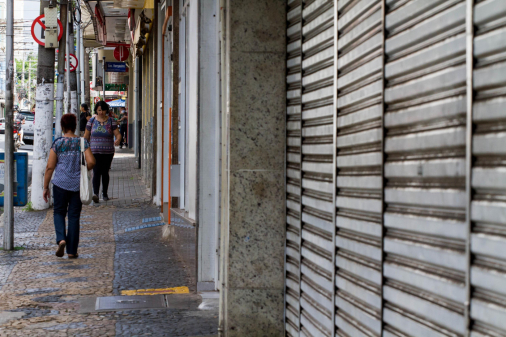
(419, 223)
(317, 250)
(425, 259)
(293, 166)
(488, 207)
(359, 168)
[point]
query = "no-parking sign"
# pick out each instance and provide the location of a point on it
(73, 62)
(39, 30)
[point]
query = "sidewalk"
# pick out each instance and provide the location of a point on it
(121, 251)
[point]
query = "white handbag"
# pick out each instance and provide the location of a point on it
(86, 189)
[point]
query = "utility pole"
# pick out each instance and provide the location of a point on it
(9, 141)
(79, 58)
(43, 134)
(30, 82)
(67, 57)
(82, 67)
(23, 75)
(72, 84)
(61, 69)
(15, 78)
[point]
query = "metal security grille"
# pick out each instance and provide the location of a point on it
(425, 168)
(488, 207)
(293, 165)
(317, 253)
(359, 164)
(396, 175)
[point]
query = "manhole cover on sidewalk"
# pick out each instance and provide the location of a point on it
(130, 302)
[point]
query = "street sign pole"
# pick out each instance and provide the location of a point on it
(103, 79)
(9, 141)
(67, 58)
(78, 70)
(61, 68)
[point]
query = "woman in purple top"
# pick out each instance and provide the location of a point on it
(100, 132)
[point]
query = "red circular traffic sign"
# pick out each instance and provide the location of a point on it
(38, 29)
(73, 62)
(121, 53)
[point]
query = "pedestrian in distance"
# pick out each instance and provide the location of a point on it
(20, 121)
(100, 132)
(123, 120)
(65, 162)
(84, 117)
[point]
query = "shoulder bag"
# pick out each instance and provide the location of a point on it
(86, 189)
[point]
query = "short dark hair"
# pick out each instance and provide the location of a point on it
(85, 106)
(103, 105)
(68, 122)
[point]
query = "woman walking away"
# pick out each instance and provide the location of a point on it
(84, 117)
(64, 161)
(100, 132)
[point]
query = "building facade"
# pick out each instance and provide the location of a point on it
(332, 168)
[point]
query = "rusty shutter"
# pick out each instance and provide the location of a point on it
(293, 166)
(425, 263)
(488, 207)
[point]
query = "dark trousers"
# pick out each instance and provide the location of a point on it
(123, 132)
(101, 171)
(67, 202)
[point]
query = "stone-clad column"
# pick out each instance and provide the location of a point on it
(256, 60)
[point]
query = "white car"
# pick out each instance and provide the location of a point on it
(28, 127)
(2, 125)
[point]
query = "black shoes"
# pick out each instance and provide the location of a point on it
(61, 249)
(105, 197)
(95, 199)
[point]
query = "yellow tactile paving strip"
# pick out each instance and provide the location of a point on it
(162, 291)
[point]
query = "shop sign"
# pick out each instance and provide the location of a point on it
(115, 87)
(115, 67)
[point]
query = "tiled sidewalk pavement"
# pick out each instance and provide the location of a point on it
(125, 186)
(40, 294)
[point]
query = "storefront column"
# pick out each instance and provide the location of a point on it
(253, 247)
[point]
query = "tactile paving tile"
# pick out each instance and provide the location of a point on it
(158, 218)
(143, 226)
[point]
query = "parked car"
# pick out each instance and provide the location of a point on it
(28, 127)
(2, 125)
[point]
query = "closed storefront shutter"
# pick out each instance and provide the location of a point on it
(488, 207)
(359, 167)
(317, 168)
(396, 168)
(425, 147)
(293, 166)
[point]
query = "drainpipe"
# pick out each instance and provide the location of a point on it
(168, 14)
(137, 111)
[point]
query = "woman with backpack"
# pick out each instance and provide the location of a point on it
(100, 132)
(65, 161)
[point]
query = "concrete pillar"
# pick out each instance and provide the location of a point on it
(254, 231)
(209, 144)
